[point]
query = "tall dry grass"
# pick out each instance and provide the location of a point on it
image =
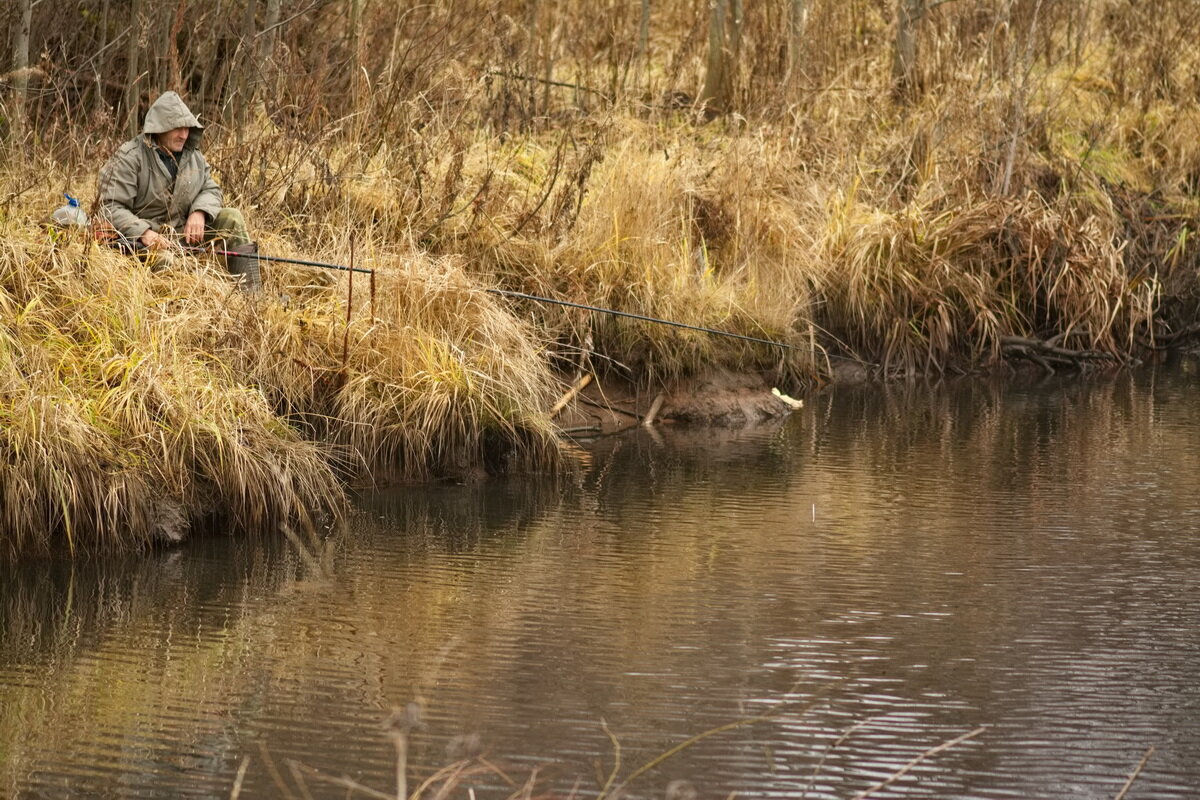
(1040, 180)
(139, 406)
(114, 431)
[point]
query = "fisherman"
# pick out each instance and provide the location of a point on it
(159, 183)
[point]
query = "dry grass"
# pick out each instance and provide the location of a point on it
(138, 406)
(1040, 182)
(430, 377)
(114, 432)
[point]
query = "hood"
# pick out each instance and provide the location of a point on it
(169, 112)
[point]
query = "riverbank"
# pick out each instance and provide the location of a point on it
(1036, 203)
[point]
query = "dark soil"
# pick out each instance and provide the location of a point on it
(718, 398)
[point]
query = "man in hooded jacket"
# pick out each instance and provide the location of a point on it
(159, 182)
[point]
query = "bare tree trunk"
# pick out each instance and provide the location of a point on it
(132, 50)
(20, 57)
(266, 52)
(713, 93)
(167, 73)
(355, 24)
(733, 40)
(98, 100)
(531, 38)
(548, 60)
(797, 20)
(643, 51)
(904, 58)
(244, 64)
(266, 41)
(1079, 19)
(159, 37)
(1019, 95)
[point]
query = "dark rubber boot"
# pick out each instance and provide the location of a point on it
(244, 267)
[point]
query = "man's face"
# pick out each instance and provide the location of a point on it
(173, 140)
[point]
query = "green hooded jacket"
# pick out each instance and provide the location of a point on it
(136, 191)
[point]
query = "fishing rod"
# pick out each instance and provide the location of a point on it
(520, 295)
(282, 260)
(642, 317)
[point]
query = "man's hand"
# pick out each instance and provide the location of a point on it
(193, 229)
(153, 239)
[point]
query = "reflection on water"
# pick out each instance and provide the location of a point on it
(884, 573)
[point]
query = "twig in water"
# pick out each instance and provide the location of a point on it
(614, 409)
(657, 760)
(1133, 776)
(829, 750)
(399, 725)
(450, 783)
(351, 785)
(451, 774)
(582, 429)
(526, 792)
(503, 775)
(401, 740)
(655, 407)
(904, 770)
(612, 776)
(241, 776)
(575, 389)
(275, 776)
(497, 770)
(453, 770)
(297, 770)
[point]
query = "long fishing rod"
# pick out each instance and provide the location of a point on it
(642, 317)
(522, 296)
(282, 260)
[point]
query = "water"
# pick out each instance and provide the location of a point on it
(823, 603)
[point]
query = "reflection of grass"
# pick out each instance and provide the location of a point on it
(464, 772)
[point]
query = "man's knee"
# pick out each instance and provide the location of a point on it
(230, 224)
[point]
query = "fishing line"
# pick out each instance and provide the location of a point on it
(642, 317)
(518, 295)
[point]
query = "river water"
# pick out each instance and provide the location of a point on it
(820, 606)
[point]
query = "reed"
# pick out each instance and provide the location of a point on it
(1036, 176)
(113, 433)
(140, 406)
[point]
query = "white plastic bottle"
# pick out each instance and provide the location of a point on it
(70, 215)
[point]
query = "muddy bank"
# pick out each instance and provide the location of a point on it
(723, 398)
(719, 397)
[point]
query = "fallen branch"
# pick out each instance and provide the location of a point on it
(1133, 776)
(546, 82)
(1175, 339)
(904, 770)
(570, 395)
(807, 705)
(612, 408)
(1047, 353)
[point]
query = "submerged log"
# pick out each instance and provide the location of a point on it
(1046, 353)
(655, 407)
(1175, 339)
